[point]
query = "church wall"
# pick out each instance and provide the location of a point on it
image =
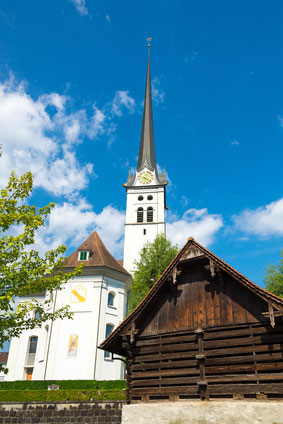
(107, 368)
(67, 349)
(18, 349)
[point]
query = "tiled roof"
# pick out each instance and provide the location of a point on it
(99, 256)
(276, 301)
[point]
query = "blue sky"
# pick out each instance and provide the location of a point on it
(72, 78)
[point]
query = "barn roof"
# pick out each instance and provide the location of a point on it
(190, 250)
(99, 256)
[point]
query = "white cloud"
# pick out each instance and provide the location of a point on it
(197, 223)
(72, 223)
(158, 95)
(265, 221)
(122, 99)
(38, 135)
(192, 58)
(235, 143)
(108, 19)
(80, 5)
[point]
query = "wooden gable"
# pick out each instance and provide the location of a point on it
(200, 300)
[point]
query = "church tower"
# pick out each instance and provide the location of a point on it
(145, 210)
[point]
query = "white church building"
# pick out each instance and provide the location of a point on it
(67, 349)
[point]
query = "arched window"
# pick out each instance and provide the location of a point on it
(108, 331)
(140, 198)
(149, 197)
(110, 300)
(140, 215)
(30, 358)
(149, 214)
(32, 345)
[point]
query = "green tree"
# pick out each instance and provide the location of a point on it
(273, 277)
(23, 272)
(154, 258)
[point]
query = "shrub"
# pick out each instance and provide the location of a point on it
(60, 395)
(63, 384)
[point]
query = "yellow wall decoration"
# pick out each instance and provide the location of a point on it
(78, 294)
(73, 345)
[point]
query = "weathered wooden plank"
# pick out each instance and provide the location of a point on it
(242, 332)
(165, 356)
(193, 390)
(209, 295)
(166, 381)
(244, 368)
(163, 365)
(166, 340)
(164, 373)
(242, 341)
(244, 388)
(234, 350)
(244, 377)
(166, 348)
(244, 359)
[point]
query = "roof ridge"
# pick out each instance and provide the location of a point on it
(98, 247)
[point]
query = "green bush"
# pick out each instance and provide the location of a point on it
(63, 384)
(60, 395)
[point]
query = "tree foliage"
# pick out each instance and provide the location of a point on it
(23, 272)
(154, 258)
(273, 277)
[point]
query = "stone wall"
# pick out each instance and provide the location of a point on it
(211, 412)
(103, 412)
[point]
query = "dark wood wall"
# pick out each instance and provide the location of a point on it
(237, 361)
(204, 337)
(200, 300)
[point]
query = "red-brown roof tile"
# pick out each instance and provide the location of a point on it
(99, 256)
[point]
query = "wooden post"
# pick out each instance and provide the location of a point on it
(201, 363)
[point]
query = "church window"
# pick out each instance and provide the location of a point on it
(149, 197)
(150, 214)
(140, 215)
(37, 314)
(32, 344)
(110, 301)
(108, 331)
(140, 198)
(30, 357)
(83, 255)
(144, 231)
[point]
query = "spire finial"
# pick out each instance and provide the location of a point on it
(148, 41)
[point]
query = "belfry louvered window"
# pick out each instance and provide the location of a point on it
(150, 214)
(140, 215)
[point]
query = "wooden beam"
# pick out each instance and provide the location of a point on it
(271, 314)
(211, 267)
(275, 313)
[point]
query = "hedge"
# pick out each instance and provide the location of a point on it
(63, 384)
(60, 395)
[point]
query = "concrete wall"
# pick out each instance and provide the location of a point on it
(61, 412)
(198, 412)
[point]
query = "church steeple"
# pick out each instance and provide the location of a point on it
(147, 150)
(145, 211)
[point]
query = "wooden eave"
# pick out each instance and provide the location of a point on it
(113, 342)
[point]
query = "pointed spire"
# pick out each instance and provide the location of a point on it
(147, 150)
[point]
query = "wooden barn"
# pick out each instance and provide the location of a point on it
(203, 331)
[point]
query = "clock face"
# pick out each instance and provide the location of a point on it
(145, 177)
